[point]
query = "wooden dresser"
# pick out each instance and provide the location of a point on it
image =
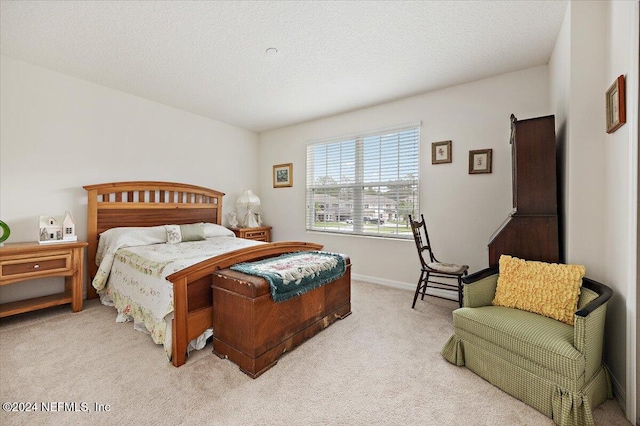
(27, 261)
(261, 233)
(531, 231)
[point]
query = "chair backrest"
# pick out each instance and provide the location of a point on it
(421, 244)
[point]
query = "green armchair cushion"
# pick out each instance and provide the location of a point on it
(538, 340)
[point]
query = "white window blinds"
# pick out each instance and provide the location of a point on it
(364, 184)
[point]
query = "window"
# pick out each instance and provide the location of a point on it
(365, 184)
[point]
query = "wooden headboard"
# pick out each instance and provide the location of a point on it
(145, 203)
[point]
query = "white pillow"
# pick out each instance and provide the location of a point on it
(214, 230)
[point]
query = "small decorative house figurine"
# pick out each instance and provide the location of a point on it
(50, 229)
(69, 228)
(57, 229)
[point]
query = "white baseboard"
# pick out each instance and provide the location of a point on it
(619, 392)
(404, 286)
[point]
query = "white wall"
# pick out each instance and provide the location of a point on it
(560, 88)
(59, 133)
(599, 197)
(462, 210)
(620, 255)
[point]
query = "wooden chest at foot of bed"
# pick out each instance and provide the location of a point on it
(253, 331)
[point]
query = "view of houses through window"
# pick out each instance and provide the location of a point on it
(365, 184)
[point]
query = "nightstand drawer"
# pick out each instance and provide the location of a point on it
(263, 233)
(255, 235)
(34, 266)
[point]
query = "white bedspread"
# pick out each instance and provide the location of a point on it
(134, 264)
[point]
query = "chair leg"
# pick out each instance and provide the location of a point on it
(459, 291)
(415, 296)
(424, 287)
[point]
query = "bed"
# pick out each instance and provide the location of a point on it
(148, 204)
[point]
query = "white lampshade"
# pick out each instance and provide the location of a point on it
(247, 205)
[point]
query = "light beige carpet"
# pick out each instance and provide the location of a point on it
(379, 366)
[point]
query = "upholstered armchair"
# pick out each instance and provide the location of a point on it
(550, 365)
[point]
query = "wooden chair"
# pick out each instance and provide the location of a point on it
(433, 268)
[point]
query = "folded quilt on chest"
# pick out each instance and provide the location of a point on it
(541, 341)
(293, 274)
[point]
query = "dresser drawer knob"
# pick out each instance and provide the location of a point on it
(36, 266)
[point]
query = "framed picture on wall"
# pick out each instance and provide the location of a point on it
(480, 161)
(441, 152)
(616, 108)
(283, 175)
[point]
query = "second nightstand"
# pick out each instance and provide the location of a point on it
(261, 233)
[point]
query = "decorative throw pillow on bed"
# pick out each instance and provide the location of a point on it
(548, 289)
(173, 234)
(192, 232)
(180, 233)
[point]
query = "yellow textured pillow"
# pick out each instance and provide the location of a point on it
(548, 289)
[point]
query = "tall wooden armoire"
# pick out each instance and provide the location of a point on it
(531, 230)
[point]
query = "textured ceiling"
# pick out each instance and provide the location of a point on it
(209, 57)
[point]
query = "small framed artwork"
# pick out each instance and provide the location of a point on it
(283, 175)
(616, 109)
(480, 161)
(441, 152)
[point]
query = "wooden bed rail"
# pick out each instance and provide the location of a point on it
(243, 255)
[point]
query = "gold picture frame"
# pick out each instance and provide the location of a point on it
(283, 175)
(441, 152)
(480, 161)
(616, 108)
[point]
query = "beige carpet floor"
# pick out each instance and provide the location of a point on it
(379, 366)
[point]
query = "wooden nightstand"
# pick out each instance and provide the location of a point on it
(261, 233)
(27, 261)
